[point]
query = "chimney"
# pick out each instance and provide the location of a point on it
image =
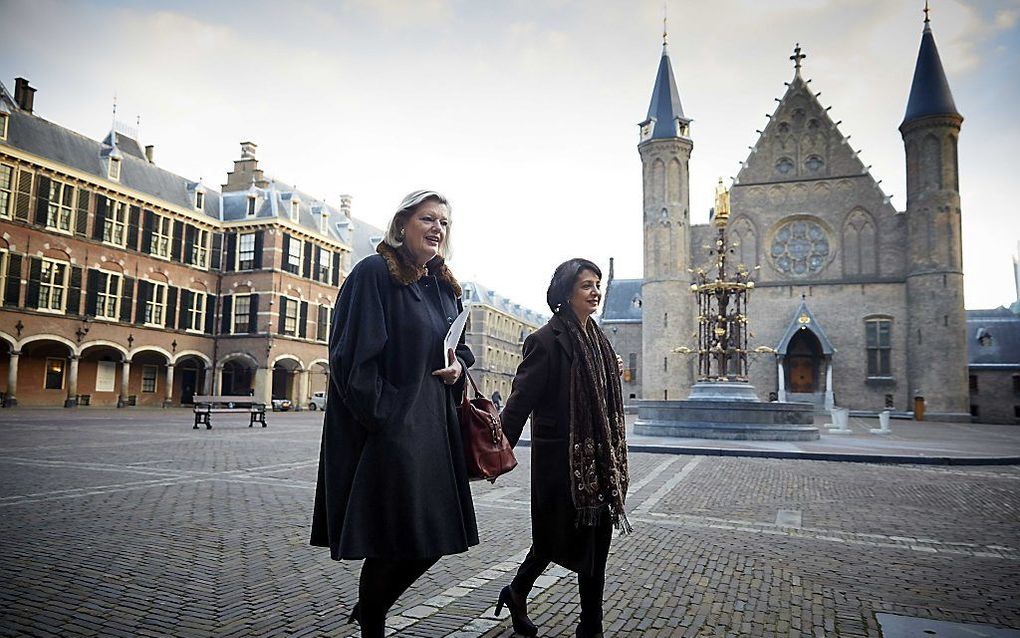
(345, 205)
(248, 150)
(149, 152)
(24, 94)
(610, 279)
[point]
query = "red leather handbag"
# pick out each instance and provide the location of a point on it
(487, 451)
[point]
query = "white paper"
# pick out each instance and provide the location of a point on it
(453, 335)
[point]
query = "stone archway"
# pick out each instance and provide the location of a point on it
(237, 377)
(100, 374)
(46, 372)
(151, 378)
(285, 380)
(804, 364)
(189, 379)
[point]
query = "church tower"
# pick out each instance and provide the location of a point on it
(936, 322)
(665, 148)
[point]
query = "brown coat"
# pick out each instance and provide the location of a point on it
(541, 389)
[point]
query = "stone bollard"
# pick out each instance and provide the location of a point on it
(840, 421)
(883, 422)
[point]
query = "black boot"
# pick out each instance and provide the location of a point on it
(518, 608)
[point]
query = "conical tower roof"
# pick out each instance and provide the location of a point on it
(665, 108)
(929, 92)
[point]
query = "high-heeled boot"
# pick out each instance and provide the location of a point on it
(518, 607)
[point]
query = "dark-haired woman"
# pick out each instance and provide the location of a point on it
(392, 486)
(569, 383)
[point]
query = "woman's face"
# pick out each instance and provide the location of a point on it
(585, 298)
(425, 231)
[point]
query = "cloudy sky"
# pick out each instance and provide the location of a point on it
(523, 112)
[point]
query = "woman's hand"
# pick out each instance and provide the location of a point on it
(619, 364)
(451, 373)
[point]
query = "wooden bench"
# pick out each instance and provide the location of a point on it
(206, 405)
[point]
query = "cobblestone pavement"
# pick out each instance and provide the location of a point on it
(130, 523)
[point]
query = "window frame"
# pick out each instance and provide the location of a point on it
(113, 168)
(106, 294)
(56, 208)
(49, 286)
(235, 314)
(200, 249)
(325, 273)
(250, 206)
(112, 224)
(155, 378)
(199, 200)
(196, 312)
(288, 303)
(241, 249)
(882, 360)
(46, 373)
(7, 209)
(4, 123)
(291, 264)
(159, 242)
(152, 305)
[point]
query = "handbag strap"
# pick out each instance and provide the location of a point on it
(473, 386)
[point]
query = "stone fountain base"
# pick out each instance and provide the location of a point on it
(726, 410)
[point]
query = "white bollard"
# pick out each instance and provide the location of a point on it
(883, 422)
(840, 421)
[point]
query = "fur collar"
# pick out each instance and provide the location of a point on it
(406, 274)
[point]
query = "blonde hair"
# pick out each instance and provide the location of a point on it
(407, 207)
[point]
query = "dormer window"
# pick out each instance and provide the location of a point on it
(114, 169)
(199, 200)
(3, 126)
(984, 338)
(251, 206)
(294, 209)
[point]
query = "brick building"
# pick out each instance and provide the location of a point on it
(125, 284)
(863, 302)
(495, 332)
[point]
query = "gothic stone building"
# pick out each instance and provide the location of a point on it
(864, 303)
(125, 284)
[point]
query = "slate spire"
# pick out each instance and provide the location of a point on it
(665, 111)
(929, 92)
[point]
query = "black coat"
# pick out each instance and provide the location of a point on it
(392, 481)
(541, 389)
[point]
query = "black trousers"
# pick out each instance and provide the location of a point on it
(591, 587)
(381, 584)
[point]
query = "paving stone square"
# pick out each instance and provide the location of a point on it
(130, 523)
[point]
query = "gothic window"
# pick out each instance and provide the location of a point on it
(745, 243)
(658, 179)
(673, 179)
(878, 340)
(784, 166)
(931, 163)
(812, 124)
(859, 244)
(954, 162)
(814, 163)
(800, 247)
(784, 127)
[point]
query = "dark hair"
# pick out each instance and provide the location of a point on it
(564, 278)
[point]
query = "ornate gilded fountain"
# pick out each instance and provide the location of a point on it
(722, 403)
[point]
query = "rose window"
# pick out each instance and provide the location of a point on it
(800, 247)
(785, 166)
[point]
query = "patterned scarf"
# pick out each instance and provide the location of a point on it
(598, 443)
